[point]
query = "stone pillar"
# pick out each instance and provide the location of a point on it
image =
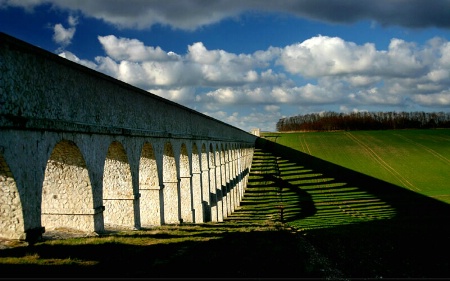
(25, 155)
(219, 192)
(212, 185)
(149, 187)
(224, 186)
(234, 164)
(197, 197)
(185, 187)
(241, 171)
(206, 182)
(187, 214)
(230, 181)
(171, 190)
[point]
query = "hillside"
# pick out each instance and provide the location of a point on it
(418, 160)
(366, 226)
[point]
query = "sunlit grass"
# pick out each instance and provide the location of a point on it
(418, 160)
(35, 259)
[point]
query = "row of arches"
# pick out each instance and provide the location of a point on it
(139, 184)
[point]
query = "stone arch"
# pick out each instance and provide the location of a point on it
(170, 182)
(67, 199)
(11, 215)
(185, 188)
(118, 188)
(149, 187)
(196, 183)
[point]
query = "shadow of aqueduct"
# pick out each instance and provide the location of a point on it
(368, 227)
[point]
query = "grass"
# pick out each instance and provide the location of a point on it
(309, 211)
(368, 226)
(251, 243)
(418, 160)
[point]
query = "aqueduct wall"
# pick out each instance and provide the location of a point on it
(81, 150)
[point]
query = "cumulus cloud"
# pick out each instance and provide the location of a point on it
(70, 56)
(341, 73)
(146, 66)
(130, 49)
(264, 119)
(435, 100)
(63, 36)
(192, 14)
(332, 56)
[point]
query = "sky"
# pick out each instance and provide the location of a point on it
(250, 63)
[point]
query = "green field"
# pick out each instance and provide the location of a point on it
(376, 203)
(418, 160)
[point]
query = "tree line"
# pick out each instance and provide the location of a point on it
(331, 121)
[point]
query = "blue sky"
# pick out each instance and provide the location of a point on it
(251, 62)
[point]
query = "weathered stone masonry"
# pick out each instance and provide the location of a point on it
(81, 150)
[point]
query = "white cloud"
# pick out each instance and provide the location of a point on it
(436, 100)
(374, 96)
(438, 75)
(131, 49)
(70, 56)
(149, 66)
(72, 20)
(323, 55)
(272, 108)
(339, 74)
(182, 95)
(63, 36)
(256, 119)
(362, 80)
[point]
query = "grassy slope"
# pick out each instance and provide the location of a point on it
(418, 160)
(362, 207)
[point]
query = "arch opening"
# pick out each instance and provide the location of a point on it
(149, 187)
(67, 198)
(118, 193)
(170, 182)
(197, 193)
(185, 188)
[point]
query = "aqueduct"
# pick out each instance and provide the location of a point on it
(81, 150)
